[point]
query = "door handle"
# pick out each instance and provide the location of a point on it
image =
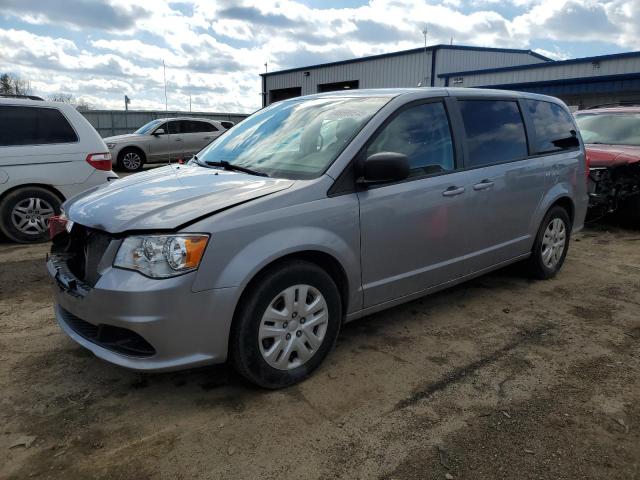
(208, 138)
(178, 139)
(453, 191)
(485, 184)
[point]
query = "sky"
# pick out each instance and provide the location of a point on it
(214, 50)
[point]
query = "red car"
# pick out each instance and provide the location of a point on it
(612, 143)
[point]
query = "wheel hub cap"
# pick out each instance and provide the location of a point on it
(553, 243)
(286, 342)
(131, 161)
(31, 216)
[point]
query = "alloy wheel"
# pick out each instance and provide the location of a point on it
(131, 161)
(31, 215)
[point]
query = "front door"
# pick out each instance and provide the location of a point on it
(413, 233)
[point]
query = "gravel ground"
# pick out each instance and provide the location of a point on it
(499, 378)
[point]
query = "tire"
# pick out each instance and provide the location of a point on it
(264, 358)
(548, 255)
(24, 214)
(131, 160)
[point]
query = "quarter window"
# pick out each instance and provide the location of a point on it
(421, 133)
(495, 131)
(198, 127)
(553, 126)
(34, 126)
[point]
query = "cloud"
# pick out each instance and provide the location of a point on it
(215, 49)
(256, 17)
(76, 13)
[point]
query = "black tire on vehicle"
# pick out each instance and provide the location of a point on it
(25, 213)
(248, 352)
(548, 254)
(131, 159)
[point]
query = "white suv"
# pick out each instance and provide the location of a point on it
(48, 153)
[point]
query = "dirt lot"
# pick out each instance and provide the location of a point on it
(498, 378)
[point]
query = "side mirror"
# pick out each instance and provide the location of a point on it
(159, 131)
(384, 167)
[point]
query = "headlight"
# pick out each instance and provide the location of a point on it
(111, 146)
(162, 256)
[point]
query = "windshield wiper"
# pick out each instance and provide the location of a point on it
(235, 168)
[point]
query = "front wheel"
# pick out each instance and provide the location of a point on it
(130, 160)
(551, 244)
(286, 325)
(25, 214)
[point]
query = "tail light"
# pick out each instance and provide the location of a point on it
(100, 161)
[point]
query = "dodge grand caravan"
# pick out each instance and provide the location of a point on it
(313, 212)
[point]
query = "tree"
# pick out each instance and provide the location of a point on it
(14, 85)
(6, 86)
(81, 104)
(61, 97)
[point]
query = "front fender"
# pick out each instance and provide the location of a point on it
(329, 226)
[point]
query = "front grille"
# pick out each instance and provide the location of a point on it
(116, 339)
(86, 247)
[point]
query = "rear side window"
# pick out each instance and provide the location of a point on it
(198, 127)
(495, 131)
(421, 133)
(34, 126)
(553, 127)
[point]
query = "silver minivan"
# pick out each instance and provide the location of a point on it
(310, 213)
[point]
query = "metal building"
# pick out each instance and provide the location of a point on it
(580, 82)
(408, 68)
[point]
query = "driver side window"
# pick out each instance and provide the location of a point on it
(421, 133)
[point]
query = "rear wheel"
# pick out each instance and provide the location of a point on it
(130, 160)
(286, 326)
(25, 214)
(551, 244)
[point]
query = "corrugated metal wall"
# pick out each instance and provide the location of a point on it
(118, 122)
(556, 72)
(449, 60)
(398, 71)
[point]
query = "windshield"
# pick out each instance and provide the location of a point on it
(147, 128)
(610, 128)
(296, 139)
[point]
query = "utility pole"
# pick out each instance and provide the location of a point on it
(164, 71)
(426, 63)
(189, 102)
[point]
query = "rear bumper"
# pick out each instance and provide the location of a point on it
(184, 329)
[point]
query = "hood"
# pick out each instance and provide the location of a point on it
(116, 138)
(166, 198)
(612, 155)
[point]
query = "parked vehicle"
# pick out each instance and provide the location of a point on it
(48, 153)
(163, 140)
(612, 143)
(313, 212)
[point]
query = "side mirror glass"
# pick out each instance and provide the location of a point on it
(384, 167)
(159, 131)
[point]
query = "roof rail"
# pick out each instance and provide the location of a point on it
(27, 97)
(630, 103)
